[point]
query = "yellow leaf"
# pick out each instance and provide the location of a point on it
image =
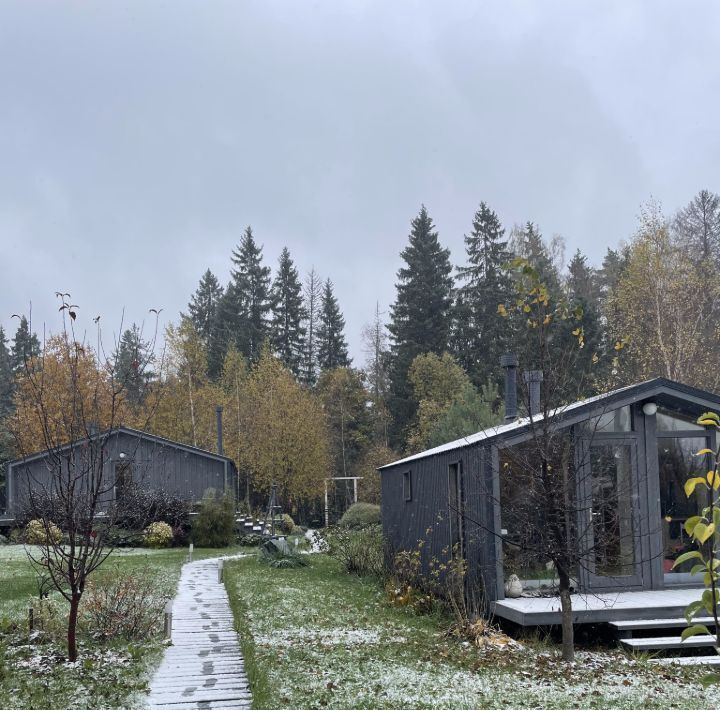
(702, 452)
(691, 483)
(526, 308)
(710, 415)
(702, 532)
(595, 358)
(576, 331)
(713, 479)
(547, 319)
(619, 345)
(501, 309)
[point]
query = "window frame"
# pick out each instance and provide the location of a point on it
(407, 485)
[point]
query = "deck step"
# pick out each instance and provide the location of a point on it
(687, 661)
(643, 624)
(661, 643)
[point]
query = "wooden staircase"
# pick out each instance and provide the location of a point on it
(652, 636)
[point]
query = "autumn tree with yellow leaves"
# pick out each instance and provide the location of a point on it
(666, 304)
(283, 439)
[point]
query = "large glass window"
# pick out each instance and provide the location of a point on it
(530, 503)
(613, 523)
(615, 420)
(673, 421)
(677, 463)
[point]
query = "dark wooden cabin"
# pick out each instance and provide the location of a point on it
(131, 456)
(643, 441)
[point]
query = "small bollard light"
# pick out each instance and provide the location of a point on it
(220, 571)
(190, 551)
(167, 626)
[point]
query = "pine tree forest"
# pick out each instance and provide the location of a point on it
(270, 345)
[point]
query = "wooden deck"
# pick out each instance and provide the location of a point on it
(204, 666)
(597, 608)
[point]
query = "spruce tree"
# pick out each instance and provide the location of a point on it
(132, 365)
(312, 301)
(250, 297)
(332, 350)
(287, 330)
(480, 335)
(583, 290)
(6, 377)
(25, 346)
(224, 330)
(529, 244)
(203, 305)
(420, 316)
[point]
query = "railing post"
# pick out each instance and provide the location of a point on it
(167, 627)
(220, 571)
(190, 553)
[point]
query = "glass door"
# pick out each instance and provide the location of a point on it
(610, 516)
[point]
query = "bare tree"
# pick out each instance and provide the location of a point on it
(566, 505)
(68, 392)
(377, 354)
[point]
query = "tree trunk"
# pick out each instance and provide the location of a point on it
(72, 627)
(568, 632)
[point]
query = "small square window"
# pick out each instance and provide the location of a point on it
(407, 485)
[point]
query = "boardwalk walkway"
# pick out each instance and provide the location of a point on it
(203, 669)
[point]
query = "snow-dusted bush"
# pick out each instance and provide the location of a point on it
(158, 535)
(360, 515)
(360, 551)
(37, 532)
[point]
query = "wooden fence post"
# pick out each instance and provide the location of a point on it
(220, 571)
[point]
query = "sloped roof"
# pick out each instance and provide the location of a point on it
(640, 390)
(132, 432)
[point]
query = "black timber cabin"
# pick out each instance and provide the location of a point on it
(642, 442)
(131, 456)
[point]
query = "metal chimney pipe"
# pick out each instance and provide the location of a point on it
(509, 362)
(533, 378)
(218, 419)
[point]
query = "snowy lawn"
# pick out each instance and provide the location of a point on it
(316, 637)
(113, 674)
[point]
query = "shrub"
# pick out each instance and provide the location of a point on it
(214, 525)
(37, 532)
(277, 554)
(126, 607)
(158, 535)
(140, 506)
(360, 551)
(287, 524)
(250, 540)
(360, 515)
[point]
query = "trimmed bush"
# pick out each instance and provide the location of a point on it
(38, 533)
(360, 515)
(158, 535)
(141, 506)
(214, 525)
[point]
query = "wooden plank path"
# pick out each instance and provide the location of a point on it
(203, 669)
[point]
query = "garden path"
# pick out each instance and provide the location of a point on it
(204, 667)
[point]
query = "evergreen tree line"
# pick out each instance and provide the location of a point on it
(302, 322)
(431, 371)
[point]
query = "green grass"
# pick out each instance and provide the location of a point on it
(109, 674)
(316, 637)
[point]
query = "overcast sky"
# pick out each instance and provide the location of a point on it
(137, 139)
